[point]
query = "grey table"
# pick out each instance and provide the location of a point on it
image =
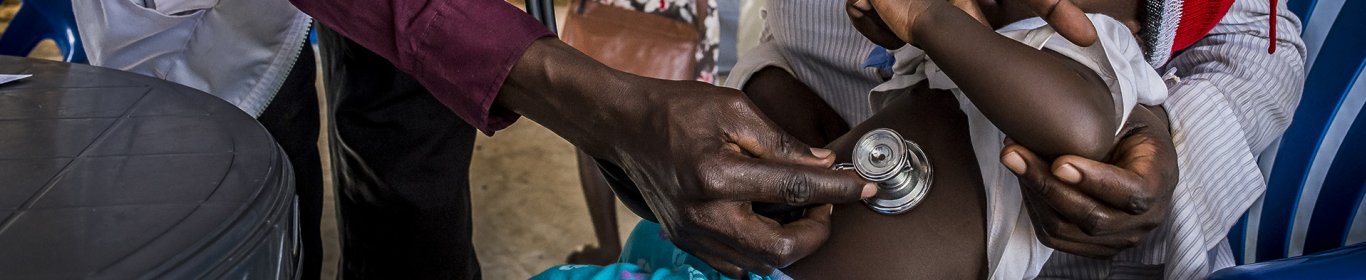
(112, 175)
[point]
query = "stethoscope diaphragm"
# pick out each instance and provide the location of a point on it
(899, 167)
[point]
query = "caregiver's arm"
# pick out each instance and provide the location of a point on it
(1042, 99)
(699, 153)
(1233, 96)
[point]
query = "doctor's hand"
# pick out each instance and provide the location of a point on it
(1097, 209)
(700, 155)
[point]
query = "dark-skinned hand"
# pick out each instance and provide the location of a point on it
(700, 154)
(889, 23)
(1098, 209)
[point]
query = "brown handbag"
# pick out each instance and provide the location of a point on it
(635, 42)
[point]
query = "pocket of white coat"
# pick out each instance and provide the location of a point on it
(176, 8)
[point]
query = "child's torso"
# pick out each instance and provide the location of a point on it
(944, 237)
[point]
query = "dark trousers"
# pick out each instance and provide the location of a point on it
(292, 119)
(401, 161)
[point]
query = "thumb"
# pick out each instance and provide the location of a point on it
(1068, 19)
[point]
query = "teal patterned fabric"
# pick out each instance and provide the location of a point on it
(648, 254)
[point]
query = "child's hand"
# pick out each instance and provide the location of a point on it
(891, 28)
(867, 21)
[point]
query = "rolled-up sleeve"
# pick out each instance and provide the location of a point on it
(460, 50)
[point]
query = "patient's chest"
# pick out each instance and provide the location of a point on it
(944, 237)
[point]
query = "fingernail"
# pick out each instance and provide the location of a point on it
(821, 153)
(869, 190)
(1067, 173)
(1014, 162)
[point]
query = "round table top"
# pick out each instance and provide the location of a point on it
(110, 174)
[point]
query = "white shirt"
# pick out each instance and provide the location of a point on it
(1232, 102)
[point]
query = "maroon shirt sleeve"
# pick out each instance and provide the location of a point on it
(460, 50)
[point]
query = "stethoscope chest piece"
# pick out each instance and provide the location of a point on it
(898, 166)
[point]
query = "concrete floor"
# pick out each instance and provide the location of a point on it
(529, 211)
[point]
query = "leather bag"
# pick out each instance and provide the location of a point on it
(636, 42)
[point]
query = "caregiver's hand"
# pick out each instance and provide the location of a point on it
(1096, 209)
(899, 16)
(700, 155)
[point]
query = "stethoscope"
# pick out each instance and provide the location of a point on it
(898, 166)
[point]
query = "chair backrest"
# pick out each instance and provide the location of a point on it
(1316, 174)
(43, 19)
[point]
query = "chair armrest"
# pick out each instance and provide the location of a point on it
(1340, 263)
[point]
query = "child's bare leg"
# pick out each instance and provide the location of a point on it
(602, 210)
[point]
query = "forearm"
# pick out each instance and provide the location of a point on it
(1040, 99)
(571, 94)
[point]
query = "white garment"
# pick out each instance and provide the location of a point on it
(1013, 250)
(238, 50)
(1232, 102)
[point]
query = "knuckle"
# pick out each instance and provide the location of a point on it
(1141, 202)
(786, 144)
(796, 190)
(782, 251)
(1044, 188)
(1095, 221)
(714, 181)
(737, 103)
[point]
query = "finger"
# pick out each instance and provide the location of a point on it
(1071, 204)
(1063, 230)
(749, 179)
(1068, 19)
(1047, 219)
(1078, 248)
(1116, 186)
(970, 7)
(1030, 167)
(765, 140)
(720, 265)
(724, 259)
(726, 254)
(775, 244)
(870, 24)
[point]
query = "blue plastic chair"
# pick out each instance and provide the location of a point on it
(43, 19)
(1312, 215)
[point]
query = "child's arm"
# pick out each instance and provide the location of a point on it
(1041, 99)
